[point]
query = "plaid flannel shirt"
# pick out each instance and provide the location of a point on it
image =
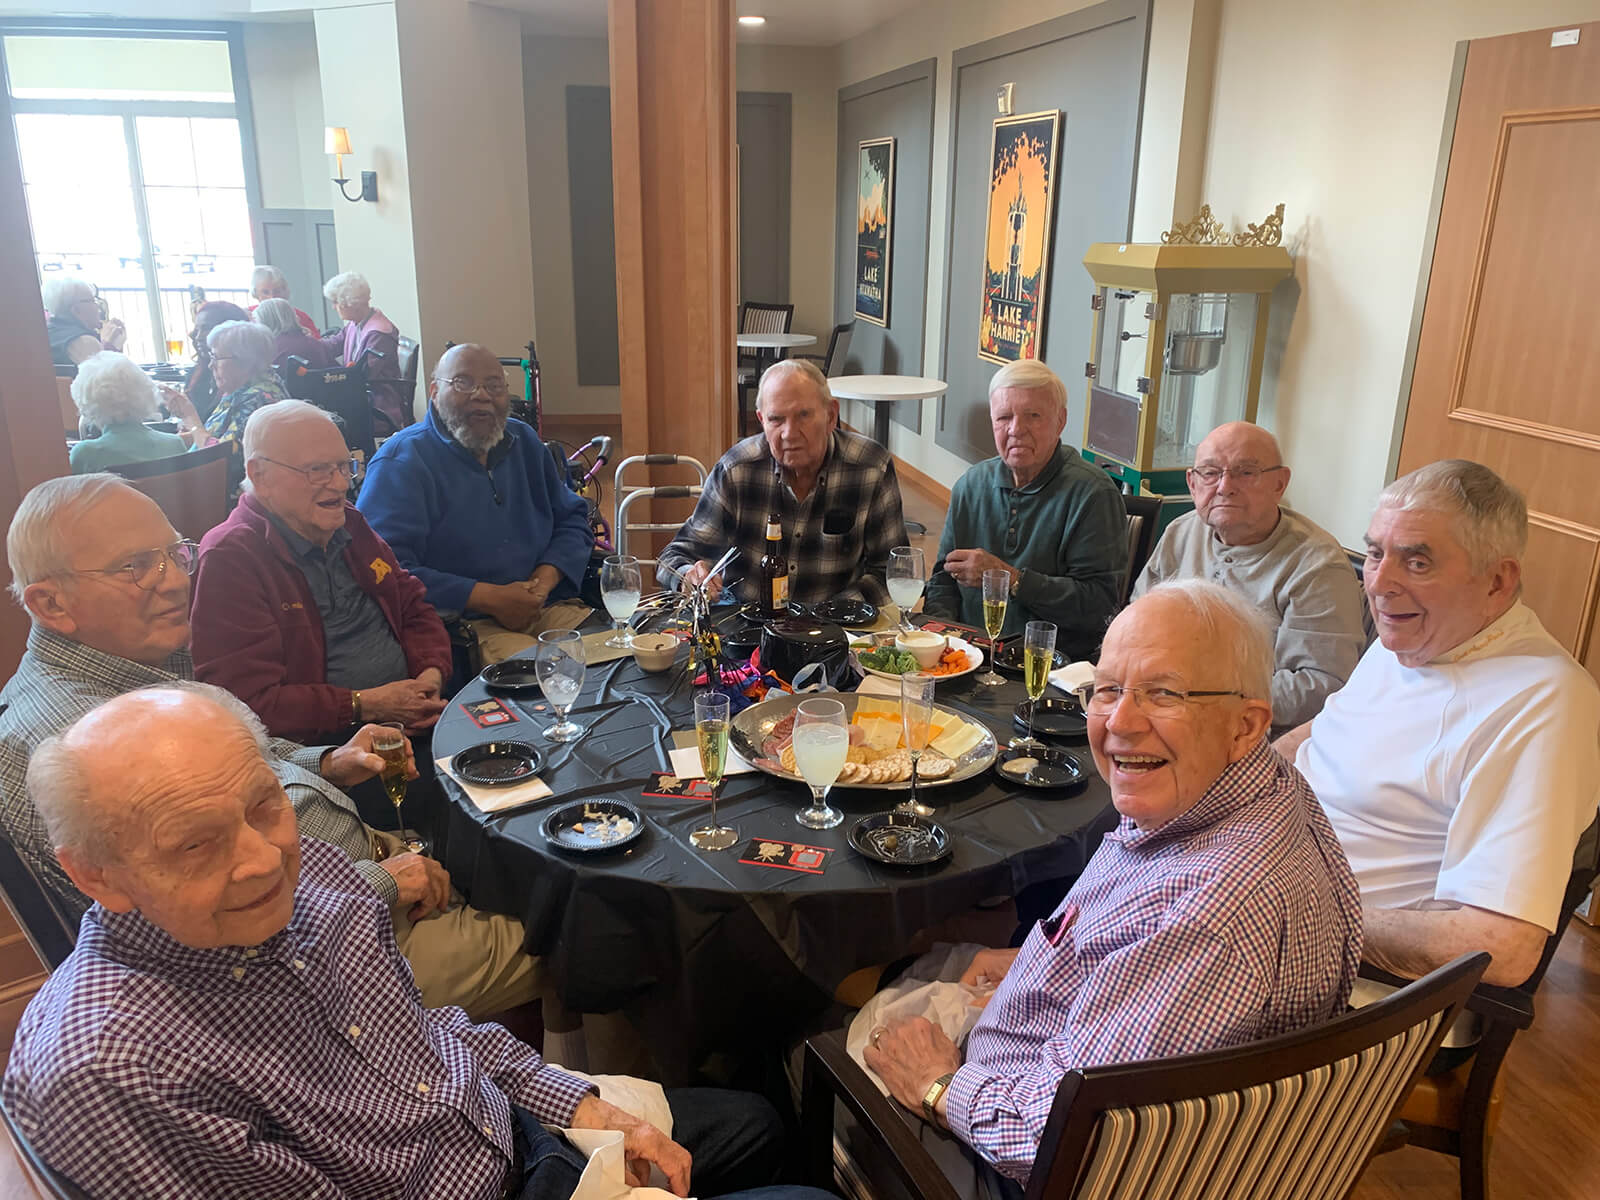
(837, 539)
(305, 1066)
(1237, 920)
(58, 680)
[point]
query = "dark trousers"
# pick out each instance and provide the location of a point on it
(735, 1139)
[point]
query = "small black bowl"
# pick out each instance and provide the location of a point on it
(513, 676)
(498, 764)
(583, 825)
(1008, 661)
(899, 839)
(1057, 717)
(1051, 768)
(857, 613)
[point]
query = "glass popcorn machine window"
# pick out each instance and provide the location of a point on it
(1205, 379)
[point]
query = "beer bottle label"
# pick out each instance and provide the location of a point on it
(780, 592)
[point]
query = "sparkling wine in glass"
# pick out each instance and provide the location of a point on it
(711, 732)
(1038, 652)
(389, 744)
(996, 595)
(558, 662)
(821, 742)
(916, 721)
(906, 579)
(620, 587)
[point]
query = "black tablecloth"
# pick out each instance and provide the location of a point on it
(699, 950)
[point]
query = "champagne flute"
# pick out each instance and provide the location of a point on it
(389, 744)
(906, 579)
(821, 742)
(916, 720)
(559, 664)
(1038, 652)
(711, 731)
(620, 588)
(996, 595)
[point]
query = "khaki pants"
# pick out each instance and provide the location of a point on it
(498, 642)
(469, 958)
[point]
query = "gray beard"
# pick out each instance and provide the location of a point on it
(461, 430)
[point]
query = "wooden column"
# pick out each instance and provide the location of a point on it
(32, 448)
(672, 147)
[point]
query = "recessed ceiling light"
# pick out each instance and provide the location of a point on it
(752, 20)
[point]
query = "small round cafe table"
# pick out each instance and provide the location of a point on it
(881, 391)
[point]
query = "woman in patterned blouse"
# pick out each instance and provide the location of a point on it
(241, 361)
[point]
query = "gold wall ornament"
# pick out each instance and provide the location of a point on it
(1203, 230)
(1268, 233)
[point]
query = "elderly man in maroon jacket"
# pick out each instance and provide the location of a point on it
(300, 609)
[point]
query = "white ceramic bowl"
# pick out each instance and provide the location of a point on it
(654, 651)
(923, 646)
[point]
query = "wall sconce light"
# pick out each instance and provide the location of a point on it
(1003, 99)
(336, 141)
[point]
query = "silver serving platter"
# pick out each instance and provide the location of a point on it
(751, 728)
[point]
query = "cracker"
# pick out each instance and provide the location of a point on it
(786, 760)
(853, 772)
(934, 766)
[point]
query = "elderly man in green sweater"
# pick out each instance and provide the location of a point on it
(1038, 511)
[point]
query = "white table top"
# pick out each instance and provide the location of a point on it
(775, 341)
(885, 388)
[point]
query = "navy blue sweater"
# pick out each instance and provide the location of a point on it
(452, 522)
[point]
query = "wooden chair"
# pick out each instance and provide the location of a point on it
(1144, 513)
(1289, 1118)
(1457, 1112)
(69, 407)
(192, 488)
(832, 363)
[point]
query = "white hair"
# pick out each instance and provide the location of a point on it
(1029, 375)
(35, 548)
(246, 341)
(1233, 626)
(110, 389)
(277, 315)
(794, 366)
(259, 427)
(348, 287)
(58, 783)
(266, 274)
(61, 292)
(1490, 516)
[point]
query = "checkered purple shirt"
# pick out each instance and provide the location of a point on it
(1238, 920)
(302, 1067)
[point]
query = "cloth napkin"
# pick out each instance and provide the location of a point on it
(1073, 676)
(686, 762)
(493, 799)
(595, 650)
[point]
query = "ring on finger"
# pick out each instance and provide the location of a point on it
(877, 1035)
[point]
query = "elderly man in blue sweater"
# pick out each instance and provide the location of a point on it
(472, 504)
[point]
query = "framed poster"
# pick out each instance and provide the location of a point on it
(1022, 191)
(874, 212)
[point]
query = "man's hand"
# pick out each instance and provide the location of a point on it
(408, 701)
(966, 567)
(432, 681)
(355, 761)
(909, 1055)
(423, 883)
(987, 969)
(514, 606)
(696, 575)
(113, 333)
(642, 1144)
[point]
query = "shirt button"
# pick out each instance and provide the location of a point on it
(299, 964)
(355, 1031)
(423, 1089)
(238, 972)
(251, 953)
(488, 1131)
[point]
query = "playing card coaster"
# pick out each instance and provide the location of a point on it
(664, 786)
(786, 856)
(487, 714)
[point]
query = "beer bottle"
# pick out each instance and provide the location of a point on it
(774, 572)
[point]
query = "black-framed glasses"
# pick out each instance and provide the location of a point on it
(1244, 475)
(146, 569)
(466, 385)
(1100, 699)
(322, 474)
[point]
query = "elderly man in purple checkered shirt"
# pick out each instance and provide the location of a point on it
(237, 1021)
(1221, 910)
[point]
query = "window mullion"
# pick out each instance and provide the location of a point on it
(147, 257)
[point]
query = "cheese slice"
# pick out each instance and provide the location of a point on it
(880, 732)
(956, 741)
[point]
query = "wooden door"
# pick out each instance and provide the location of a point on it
(1507, 367)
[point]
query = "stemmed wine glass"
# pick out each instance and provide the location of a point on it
(916, 720)
(711, 731)
(559, 664)
(996, 595)
(906, 578)
(620, 587)
(1038, 652)
(389, 744)
(821, 742)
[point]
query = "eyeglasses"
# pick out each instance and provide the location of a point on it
(1244, 475)
(466, 385)
(147, 568)
(322, 474)
(1101, 699)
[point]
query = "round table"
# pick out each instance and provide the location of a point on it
(881, 391)
(714, 961)
(775, 341)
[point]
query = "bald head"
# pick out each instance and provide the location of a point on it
(1241, 503)
(298, 468)
(469, 393)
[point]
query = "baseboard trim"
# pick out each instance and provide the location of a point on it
(921, 480)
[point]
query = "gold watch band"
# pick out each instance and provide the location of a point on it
(355, 707)
(931, 1097)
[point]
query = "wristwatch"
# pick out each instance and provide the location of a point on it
(930, 1097)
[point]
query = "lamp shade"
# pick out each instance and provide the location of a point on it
(336, 140)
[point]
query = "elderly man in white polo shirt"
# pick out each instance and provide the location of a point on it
(1460, 765)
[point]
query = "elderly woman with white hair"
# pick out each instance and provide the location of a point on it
(289, 339)
(75, 323)
(114, 396)
(241, 361)
(269, 283)
(371, 335)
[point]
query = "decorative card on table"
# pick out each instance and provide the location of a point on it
(786, 856)
(486, 714)
(665, 786)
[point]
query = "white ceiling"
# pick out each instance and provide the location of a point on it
(789, 22)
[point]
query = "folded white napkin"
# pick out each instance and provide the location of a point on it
(493, 799)
(877, 685)
(1073, 676)
(686, 763)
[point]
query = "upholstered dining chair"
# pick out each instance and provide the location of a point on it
(1288, 1118)
(1144, 513)
(832, 363)
(756, 316)
(192, 488)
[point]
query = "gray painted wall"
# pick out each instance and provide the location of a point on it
(764, 134)
(594, 259)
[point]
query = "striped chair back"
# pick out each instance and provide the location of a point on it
(1291, 1117)
(755, 317)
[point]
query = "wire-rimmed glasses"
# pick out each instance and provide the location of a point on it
(321, 474)
(559, 664)
(145, 569)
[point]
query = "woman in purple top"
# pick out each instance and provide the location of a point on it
(289, 338)
(367, 330)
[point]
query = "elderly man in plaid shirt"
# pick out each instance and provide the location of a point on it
(1220, 911)
(237, 1021)
(834, 492)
